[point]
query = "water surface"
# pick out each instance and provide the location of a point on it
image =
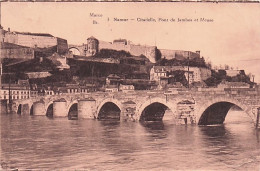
(37, 142)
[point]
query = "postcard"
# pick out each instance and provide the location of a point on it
(130, 85)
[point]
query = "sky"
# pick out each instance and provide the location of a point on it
(232, 38)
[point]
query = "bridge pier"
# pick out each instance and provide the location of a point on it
(39, 109)
(257, 125)
(3, 106)
(25, 109)
(185, 114)
(128, 111)
(59, 108)
(86, 108)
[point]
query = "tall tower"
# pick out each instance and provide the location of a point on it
(92, 46)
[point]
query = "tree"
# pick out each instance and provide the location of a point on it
(227, 67)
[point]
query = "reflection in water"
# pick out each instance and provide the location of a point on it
(218, 137)
(158, 125)
(35, 142)
(109, 111)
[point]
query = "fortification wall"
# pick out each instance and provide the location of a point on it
(22, 53)
(39, 41)
(136, 50)
(117, 46)
(171, 54)
(62, 46)
(151, 53)
(168, 54)
(10, 38)
(29, 40)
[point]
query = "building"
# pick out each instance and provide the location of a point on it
(49, 92)
(92, 46)
(34, 40)
(157, 72)
(74, 89)
(113, 79)
(33, 91)
(190, 76)
(21, 90)
(199, 74)
(196, 74)
(111, 88)
(163, 81)
(120, 42)
(126, 88)
(226, 84)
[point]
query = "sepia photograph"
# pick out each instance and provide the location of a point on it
(130, 86)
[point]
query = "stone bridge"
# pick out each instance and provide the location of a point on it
(77, 49)
(182, 107)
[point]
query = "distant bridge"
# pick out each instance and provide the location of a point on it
(79, 50)
(185, 107)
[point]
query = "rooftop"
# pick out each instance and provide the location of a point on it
(93, 38)
(120, 40)
(113, 76)
(35, 34)
(6, 45)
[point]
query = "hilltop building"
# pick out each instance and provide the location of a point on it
(178, 54)
(196, 74)
(135, 50)
(94, 45)
(20, 42)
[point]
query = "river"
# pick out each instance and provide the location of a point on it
(38, 142)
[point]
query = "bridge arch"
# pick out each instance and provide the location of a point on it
(153, 109)
(31, 109)
(23, 108)
(75, 50)
(109, 109)
(215, 111)
(49, 109)
(73, 110)
(19, 109)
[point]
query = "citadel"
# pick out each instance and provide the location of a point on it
(94, 45)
